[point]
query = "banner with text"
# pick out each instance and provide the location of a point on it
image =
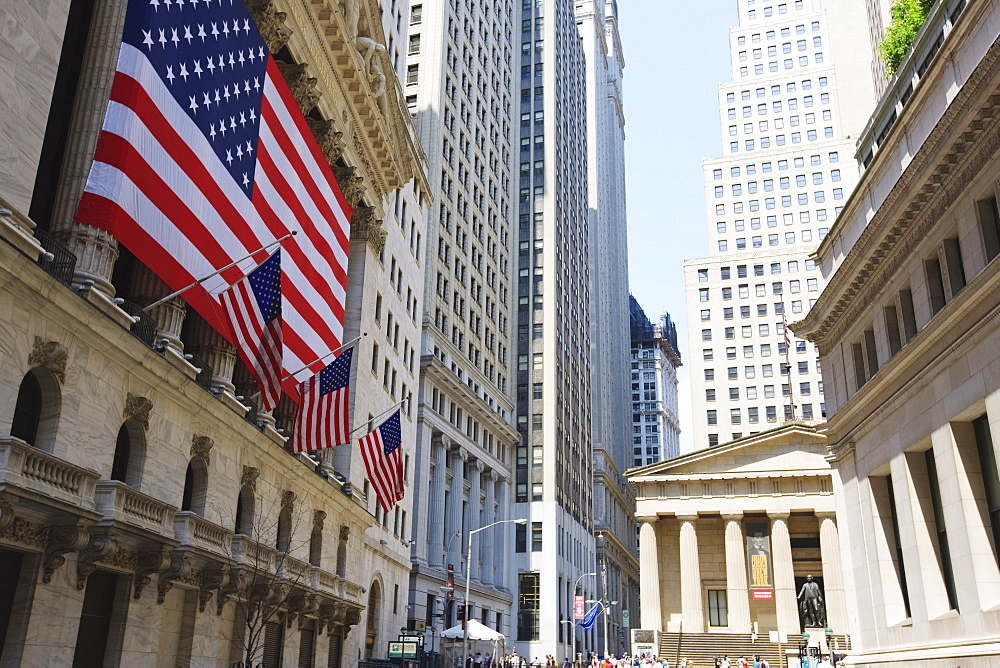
(759, 576)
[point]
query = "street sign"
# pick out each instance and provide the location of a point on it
(625, 618)
(579, 607)
(404, 650)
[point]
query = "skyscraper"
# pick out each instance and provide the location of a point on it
(553, 459)
(614, 498)
(655, 359)
(803, 83)
(458, 85)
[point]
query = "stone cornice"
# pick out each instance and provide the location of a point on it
(939, 173)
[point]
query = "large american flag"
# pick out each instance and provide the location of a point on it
(382, 454)
(323, 420)
(205, 157)
(253, 306)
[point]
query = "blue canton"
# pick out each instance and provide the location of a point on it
(212, 59)
(391, 434)
(265, 281)
(337, 375)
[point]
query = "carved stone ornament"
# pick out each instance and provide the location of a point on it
(330, 141)
(63, 539)
(179, 567)
(351, 184)
(302, 85)
(211, 581)
(138, 409)
(345, 532)
(50, 355)
(148, 564)
(365, 227)
(201, 446)
(23, 532)
(99, 547)
(270, 22)
(6, 516)
(352, 617)
(319, 516)
(288, 499)
(249, 477)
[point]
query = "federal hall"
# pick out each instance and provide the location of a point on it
(729, 536)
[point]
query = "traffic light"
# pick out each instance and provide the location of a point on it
(450, 583)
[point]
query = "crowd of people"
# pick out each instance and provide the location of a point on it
(742, 662)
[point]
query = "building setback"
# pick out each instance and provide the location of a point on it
(459, 81)
(803, 84)
(655, 423)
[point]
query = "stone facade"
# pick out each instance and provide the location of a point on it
(907, 329)
(134, 458)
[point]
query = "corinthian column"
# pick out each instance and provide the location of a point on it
(691, 605)
(435, 508)
(96, 251)
(785, 602)
(737, 595)
(455, 511)
(833, 575)
(473, 517)
(649, 576)
(487, 546)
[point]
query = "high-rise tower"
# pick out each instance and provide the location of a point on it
(655, 360)
(803, 84)
(458, 85)
(553, 483)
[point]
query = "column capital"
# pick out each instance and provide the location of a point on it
(461, 453)
(687, 518)
(478, 465)
(732, 517)
(441, 440)
(825, 514)
(778, 516)
(491, 475)
(647, 519)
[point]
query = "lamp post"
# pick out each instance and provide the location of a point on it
(572, 642)
(468, 576)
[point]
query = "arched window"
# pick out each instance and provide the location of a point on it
(374, 613)
(284, 529)
(245, 511)
(36, 412)
(195, 486)
(130, 454)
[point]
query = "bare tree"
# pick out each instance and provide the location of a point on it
(267, 584)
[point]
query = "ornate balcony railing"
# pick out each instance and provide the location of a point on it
(117, 501)
(192, 530)
(28, 468)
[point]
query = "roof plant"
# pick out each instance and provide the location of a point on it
(906, 18)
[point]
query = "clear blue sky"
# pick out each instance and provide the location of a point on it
(676, 54)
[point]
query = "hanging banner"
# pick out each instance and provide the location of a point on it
(579, 607)
(759, 575)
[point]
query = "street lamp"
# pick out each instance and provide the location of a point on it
(572, 638)
(468, 576)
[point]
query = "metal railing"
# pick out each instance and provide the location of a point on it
(144, 326)
(205, 371)
(57, 260)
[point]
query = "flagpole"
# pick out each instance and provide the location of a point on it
(388, 410)
(318, 359)
(217, 272)
(788, 363)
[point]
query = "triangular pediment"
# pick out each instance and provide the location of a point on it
(786, 450)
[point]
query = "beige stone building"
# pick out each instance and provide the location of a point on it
(907, 329)
(146, 506)
(729, 534)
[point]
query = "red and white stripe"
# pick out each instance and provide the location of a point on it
(258, 343)
(183, 214)
(384, 473)
(322, 421)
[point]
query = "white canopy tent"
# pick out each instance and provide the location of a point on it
(478, 633)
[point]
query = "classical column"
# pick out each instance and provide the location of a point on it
(215, 351)
(473, 515)
(692, 610)
(488, 545)
(649, 576)
(737, 596)
(435, 505)
(784, 575)
(96, 251)
(148, 288)
(455, 511)
(501, 557)
(833, 574)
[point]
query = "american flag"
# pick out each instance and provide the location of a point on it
(254, 308)
(323, 420)
(382, 453)
(784, 330)
(204, 157)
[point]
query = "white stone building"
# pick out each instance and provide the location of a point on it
(907, 329)
(144, 500)
(656, 429)
(803, 84)
(459, 87)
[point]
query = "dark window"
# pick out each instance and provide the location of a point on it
(95, 620)
(718, 613)
(527, 606)
(897, 544)
(944, 553)
(274, 640)
(27, 410)
(989, 224)
(520, 538)
(10, 573)
(991, 479)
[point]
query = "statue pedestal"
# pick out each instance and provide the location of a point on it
(817, 639)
